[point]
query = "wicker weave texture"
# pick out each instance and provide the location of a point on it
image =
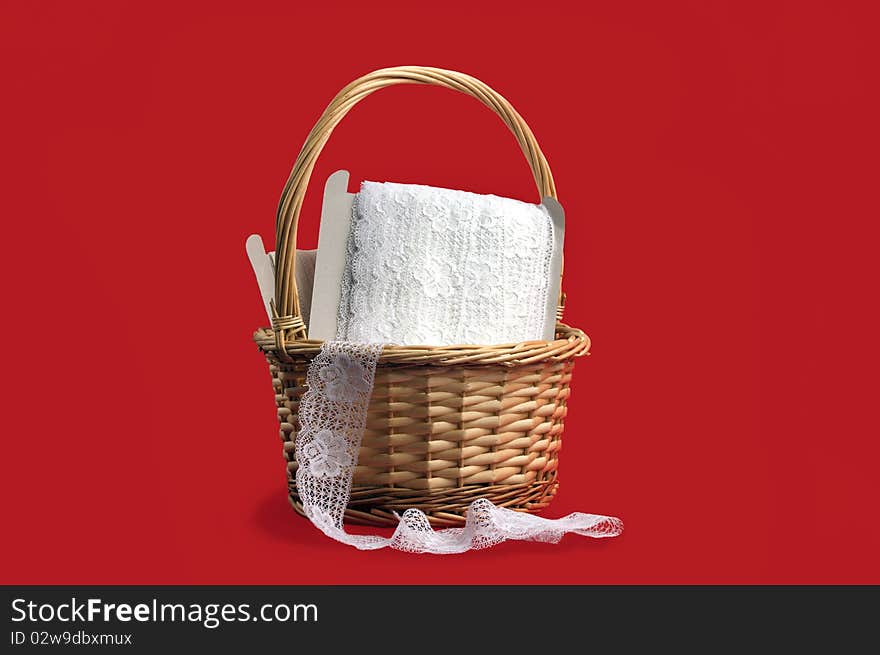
(446, 424)
(437, 438)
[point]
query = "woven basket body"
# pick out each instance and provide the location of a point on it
(439, 437)
(448, 424)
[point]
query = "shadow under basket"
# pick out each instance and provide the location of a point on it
(446, 425)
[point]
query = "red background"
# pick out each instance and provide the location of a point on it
(718, 165)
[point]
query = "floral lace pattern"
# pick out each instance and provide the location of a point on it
(344, 378)
(440, 267)
(332, 416)
(331, 427)
(425, 266)
(327, 454)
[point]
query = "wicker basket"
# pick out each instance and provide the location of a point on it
(446, 425)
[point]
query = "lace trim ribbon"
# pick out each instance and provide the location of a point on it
(333, 414)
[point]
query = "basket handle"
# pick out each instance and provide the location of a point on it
(286, 310)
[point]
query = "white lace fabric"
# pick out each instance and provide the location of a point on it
(332, 417)
(425, 266)
(441, 267)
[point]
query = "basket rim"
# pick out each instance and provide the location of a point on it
(570, 342)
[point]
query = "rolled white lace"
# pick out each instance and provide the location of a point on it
(431, 265)
(333, 414)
